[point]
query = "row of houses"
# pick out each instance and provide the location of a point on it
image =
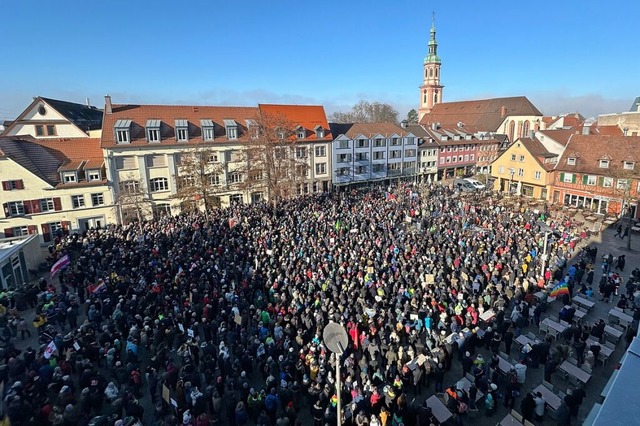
(66, 166)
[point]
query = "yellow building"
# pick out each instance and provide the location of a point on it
(525, 168)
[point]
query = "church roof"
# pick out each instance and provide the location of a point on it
(483, 114)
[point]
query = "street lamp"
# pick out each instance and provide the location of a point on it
(512, 172)
(336, 340)
(547, 230)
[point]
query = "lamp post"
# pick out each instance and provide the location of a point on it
(547, 230)
(336, 340)
(512, 172)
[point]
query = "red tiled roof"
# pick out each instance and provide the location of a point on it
(484, 114)
(606, 130)
(353, 130)
(167, 114)
(306, 116)
(560, 135)
(535, 147)
(589, 149)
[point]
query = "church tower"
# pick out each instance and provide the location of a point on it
(431, 89)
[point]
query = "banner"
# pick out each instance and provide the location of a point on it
(49, 350)
(62, 263)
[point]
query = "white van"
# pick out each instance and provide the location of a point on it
(475, 183)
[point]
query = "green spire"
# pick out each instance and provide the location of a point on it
(432, 57)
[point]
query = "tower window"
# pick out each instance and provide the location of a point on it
(430, 72)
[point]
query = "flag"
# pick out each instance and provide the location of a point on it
(233, 222)
(62, 263)
(100, 287)
(49, 350)
(390, 196)
(338, 224)
(560, 289)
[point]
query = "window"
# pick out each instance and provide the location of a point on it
(466, 157)
(182, 130)
(20, 231)
(15, 208)
(10, 185)
(520, 172)
(363, 143)
(51, 130)
(231, 129)
(93, 175)
(130, 186)
(212, 158)
(629, 165)
(603, 164)
(344, 158)
(301, 133)
(460, 158)
(394, 166)
(321, 151)
(537, 175)
(607, 182)
(77, 201)
(623, 184)
(448, 159)
(159, 184)
(571, 161)
(343, 145)
(411, 141)
(380, 143)
(256, 175)
(207, 129)
(568, 178)
(319, 132)
(39, 130)
(122, 129)
(409, 165)
(125, 163)
(301, 153)
(68, 177)
(235, 177)
(591, 180)
(378, 155)
(156, 160)
(302, 170)
(396, 153)
(97, 199)
(472, 157)
(513, 157)
(343, 171)
(235, 198)
(46, 205)
(377, 168)
(522, 158)
(360, 170)
(321, 168)
(409, 152)
(214, 179)
(362, 156)
(441, 160)
(395, 141)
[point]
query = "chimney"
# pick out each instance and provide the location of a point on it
(107, 105)
(503, 111)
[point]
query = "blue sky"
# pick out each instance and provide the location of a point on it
(564, 56)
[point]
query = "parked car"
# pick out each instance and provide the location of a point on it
(464, 186)
(476, 183)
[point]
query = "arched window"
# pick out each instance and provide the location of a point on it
(436, 72)
(430, 72)
(424, 97)
(426, 73)
(512, 128)
(525, 129)
(435, 97)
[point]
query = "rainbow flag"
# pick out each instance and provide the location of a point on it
(560, 289)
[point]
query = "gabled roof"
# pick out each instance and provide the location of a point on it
(353, 130)
(611, 130)
(309, 117)
(484, 114)
(46, 158)
(83, 116)
(589, 149)
(561, 136)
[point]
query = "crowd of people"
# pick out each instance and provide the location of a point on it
(218, 318)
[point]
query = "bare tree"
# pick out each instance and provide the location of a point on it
(625, 180)
(367, 112)
(132, 200)
(275, 161)
(198, 182)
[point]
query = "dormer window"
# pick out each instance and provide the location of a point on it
(69, 177)
(629, 165)
(571, 161)
(319, 132)
(153, 130)
(207, 129)
(301, 133)
(182, 130)
(231, 128)
(254, 130)
(93, 175)
(604, 164)
(122, 129)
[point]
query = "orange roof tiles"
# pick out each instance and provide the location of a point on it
(589, 149)
(307, 116)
